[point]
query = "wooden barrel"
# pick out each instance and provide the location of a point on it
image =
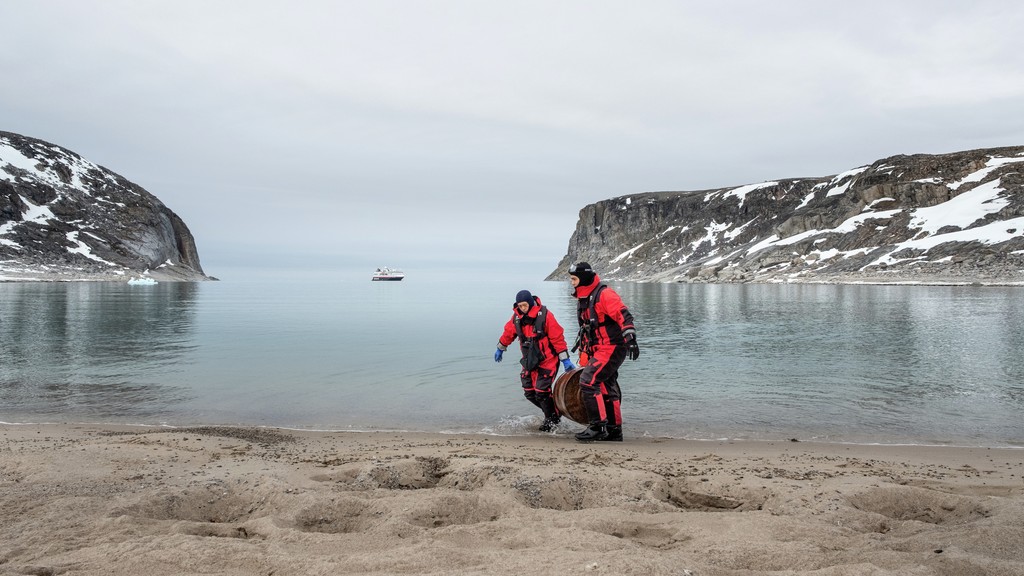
(568, 397)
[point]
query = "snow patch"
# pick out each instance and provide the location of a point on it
(742, 191)
(732, 234)
(809, 197)
(851, 224)
(872, 205)
(83, 249)
(713, 229)
(994, 233)
(961, 211)
(769, 241)
(992, 164)
(34, 213)
(838, 189)
(626, 254)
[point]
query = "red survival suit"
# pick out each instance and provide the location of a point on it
(537, 382)
(602, 340)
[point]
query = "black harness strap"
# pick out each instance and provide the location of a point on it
(538, 324)
(588, 331)
(532, 354)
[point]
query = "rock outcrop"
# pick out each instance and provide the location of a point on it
(65, 218)
(949, 218)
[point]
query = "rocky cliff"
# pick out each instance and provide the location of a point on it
(949, 218)
(65, 218)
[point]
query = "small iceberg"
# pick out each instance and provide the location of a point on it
(141, 281)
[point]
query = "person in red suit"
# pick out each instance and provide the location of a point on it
(607, 337)
(542, 342)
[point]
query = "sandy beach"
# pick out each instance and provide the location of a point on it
(89, 499)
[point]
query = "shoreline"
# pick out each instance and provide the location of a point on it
(563, 434)
(1000, 278)
(122, 499)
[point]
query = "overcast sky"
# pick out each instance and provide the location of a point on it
(410, 133)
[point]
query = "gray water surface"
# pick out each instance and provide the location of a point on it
(887, 364)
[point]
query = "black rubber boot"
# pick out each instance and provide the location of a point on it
(551, 416)
(593, 432)
(614, 434)
(549, 423)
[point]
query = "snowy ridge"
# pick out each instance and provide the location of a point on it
(63, 217)
(931, 218)
(59, 168)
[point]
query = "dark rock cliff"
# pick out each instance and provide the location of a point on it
(65, 218)
(948, 218)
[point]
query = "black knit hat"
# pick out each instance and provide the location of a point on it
(584, 271)
(524, 296)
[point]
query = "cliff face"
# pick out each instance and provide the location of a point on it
(63, 217)
(923, 218)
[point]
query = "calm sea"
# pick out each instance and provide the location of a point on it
(874, 364)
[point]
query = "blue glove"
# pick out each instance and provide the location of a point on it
(567, 364)
(497, 355)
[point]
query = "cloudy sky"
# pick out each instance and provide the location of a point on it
(419, 133)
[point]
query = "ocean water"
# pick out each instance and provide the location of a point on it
(863, 364)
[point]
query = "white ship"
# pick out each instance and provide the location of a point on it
(388, 274)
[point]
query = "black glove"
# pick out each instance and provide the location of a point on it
(632, 348)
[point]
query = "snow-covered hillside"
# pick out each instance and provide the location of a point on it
(64, 217)
(924, 218)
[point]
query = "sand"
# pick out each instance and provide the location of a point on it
(89, 499)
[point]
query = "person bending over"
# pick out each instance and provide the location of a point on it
(542, 341)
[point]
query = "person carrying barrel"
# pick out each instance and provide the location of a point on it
(542, 342)
(607, 336)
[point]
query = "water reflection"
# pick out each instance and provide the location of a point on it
(854, 363)
(828, 359)
(98, 350)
